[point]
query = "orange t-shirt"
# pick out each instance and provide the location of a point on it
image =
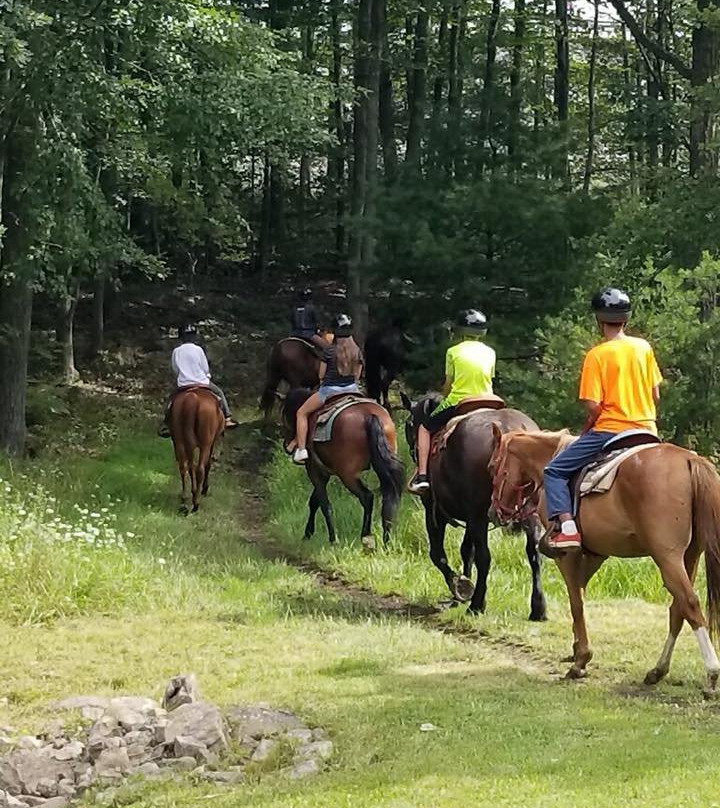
(620, 375)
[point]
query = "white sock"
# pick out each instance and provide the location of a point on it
(569, 528)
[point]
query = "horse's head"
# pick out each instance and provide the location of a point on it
(419, 410)
(516, 482)
(291, 403)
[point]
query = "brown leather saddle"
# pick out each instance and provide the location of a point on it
(321, 422)
(464, 408)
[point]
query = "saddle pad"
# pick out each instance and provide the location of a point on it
(324, 423)
(441, 441)
(598, 477)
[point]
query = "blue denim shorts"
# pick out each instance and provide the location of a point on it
(328, 391)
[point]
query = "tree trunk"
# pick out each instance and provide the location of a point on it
(98, 313)
(488, 91)
(455, 86)
(540, 99)
(591, 101)
(416, 123)
(562, 85)
(704, 109)
(68, 307)
(367, 83)
(627, 87)
(264, 250)
(516, 84)
(439, 82)
(15, 292)
(387, 104)
(336, 162)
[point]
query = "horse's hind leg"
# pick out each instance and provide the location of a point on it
(356, 486)
(313, 505)
(678, 581)
(538, 606)
(435, 526)
(319, 479)
(478, 529)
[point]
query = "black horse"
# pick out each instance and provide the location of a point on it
(384, 360)
(461, 492)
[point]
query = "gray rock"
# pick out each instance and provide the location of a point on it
(97, 744)
(82, 702)
(261, 722)
(139, 753)
(29, 742)
(10, 781)
(36, 766)
(8, 801)
(66, 788)
(265, 750)
(106, 797)
(322, 750)
(201, 722)
(6, 744)
(181, 689)
(138, 704)
(46, 787)
(32, 800)
(308, 768)
(56, 802)
(187, 747)
(69, 751)
(144, 737)
(160, 731)
(113, 763)
(319, 734)
(148, 769)
(305, 736)
(227, 777)
(183, 764)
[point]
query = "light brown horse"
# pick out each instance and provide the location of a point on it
(196, 423)
(665, 503)
(363, 437)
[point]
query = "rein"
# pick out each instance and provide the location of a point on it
(522, 506)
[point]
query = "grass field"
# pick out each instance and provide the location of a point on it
(152, 593)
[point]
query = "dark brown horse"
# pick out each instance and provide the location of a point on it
(196, 423)
(665, 503)
(461, 491)
(294, 362)
(363, 437)
(384, 361)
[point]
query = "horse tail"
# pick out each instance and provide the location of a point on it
(387, 465)
(373, 376)
(272, 380)
(706, 531)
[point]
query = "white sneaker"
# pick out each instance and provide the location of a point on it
(300, 456)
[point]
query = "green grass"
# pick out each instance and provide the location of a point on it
(509, 731)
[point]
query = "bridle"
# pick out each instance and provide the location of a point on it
(522, 505)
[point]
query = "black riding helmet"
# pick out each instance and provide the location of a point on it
(187, 331)
(472, 321)
(342, 325)
(611, 306)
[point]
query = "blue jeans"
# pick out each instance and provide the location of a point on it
(561, 468)
(328, 391)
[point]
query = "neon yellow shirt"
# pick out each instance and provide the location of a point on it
(471, 367)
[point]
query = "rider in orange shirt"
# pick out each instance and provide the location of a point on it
(620, 389)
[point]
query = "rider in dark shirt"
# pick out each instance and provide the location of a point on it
(304, 317)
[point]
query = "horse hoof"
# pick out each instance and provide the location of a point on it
(307, 537)
(569, 658)
(653, 677)
(540, 617)
(475, 610)
(711, 693)
(195, 509)
(183, 510)
(576, 673)
(368, 543)
(463, 588)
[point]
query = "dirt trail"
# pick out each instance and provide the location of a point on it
(252, 453)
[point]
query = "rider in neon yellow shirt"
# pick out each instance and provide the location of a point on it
(469, 371)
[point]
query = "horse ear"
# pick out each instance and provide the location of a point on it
(407, 403)
(497, 434)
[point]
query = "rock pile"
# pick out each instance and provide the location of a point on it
(132, 735)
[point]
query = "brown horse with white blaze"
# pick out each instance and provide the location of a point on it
(196, 424)
(664, 503)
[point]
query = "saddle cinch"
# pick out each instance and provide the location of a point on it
(322, 431)
(464, 409)
(598, 476)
